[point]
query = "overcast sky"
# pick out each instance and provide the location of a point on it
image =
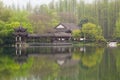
(23, 2)
(33, 2)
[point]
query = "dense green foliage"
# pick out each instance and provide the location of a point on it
(117, 29)
(100, 12)
(42, 18)
(10, 68)
(10, 19)
(76, 33)
(92, 32)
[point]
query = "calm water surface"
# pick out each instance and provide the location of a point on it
(60, 63)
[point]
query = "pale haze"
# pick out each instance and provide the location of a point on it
(24, 2)
(33, 2)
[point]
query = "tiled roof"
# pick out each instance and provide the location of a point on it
(70, 26)
(20, 29)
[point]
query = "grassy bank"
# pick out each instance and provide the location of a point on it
(78, 44)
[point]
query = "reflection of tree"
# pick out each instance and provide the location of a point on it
(9, 68)
(76, 54)
(89, 69)
(69, 73)
(92, 58)
(44, 68)
(88, 62)
(117, 56)
(107, 68)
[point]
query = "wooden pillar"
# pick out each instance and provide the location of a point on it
(16, 52)
(16, 45)
(16, 38)
(20, 51)
(20, 39)
(20, 45)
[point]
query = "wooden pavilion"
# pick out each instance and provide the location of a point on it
(62, 33)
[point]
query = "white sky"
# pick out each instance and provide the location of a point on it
(23, 2)
(33, 2)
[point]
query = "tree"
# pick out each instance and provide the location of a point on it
(29, 6)
(2, 24)
(5, 13)
(67, 17)
(20, 16)
(83, 21)
(94, 58)
(76, 33)
(45, 18)
(117, 29)
(6, 31)
(92, 32)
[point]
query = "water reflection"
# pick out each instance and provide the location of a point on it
(60, 63)
(9, 67)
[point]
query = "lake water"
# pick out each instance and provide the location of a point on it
(60, 63)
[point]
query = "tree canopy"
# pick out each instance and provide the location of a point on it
(117, 29)
(92, 32)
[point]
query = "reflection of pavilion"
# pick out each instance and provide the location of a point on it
(21, 58)
(61, 55)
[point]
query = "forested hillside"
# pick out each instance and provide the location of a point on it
(40, 18)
